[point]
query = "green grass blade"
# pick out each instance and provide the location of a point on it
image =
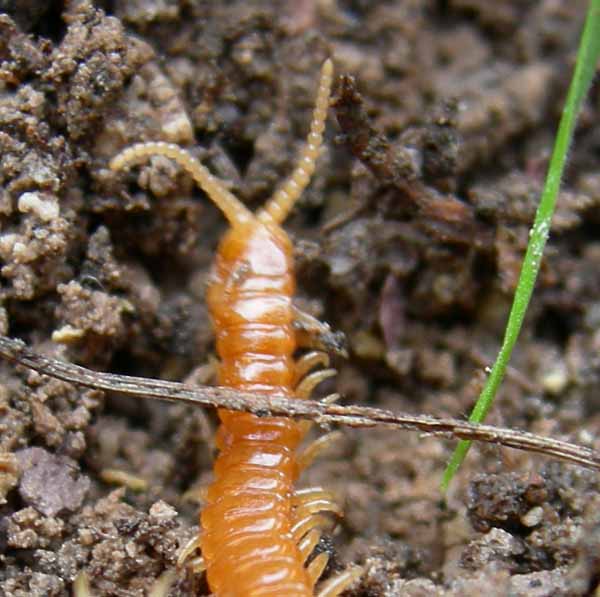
(587, 58)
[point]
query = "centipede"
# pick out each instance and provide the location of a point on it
(258, 533)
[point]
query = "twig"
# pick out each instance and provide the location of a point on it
(324, 414)
(442, 216)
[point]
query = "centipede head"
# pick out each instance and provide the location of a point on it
(255, 258)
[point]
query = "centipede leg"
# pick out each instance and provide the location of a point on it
(163, 585)
(310, 453)
(316, 568)
(337, 584)
(308, 362)
(330, 398)
(305, 388)
(308, 543)
(307, 532)
(205, 373)
(302, 526)
(81, 585)
(197, 564)
(313, 500)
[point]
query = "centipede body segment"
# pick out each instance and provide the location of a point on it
(257, 531)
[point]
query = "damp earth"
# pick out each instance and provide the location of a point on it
(408, 240)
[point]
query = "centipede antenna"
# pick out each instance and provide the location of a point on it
(233, 209)
(282, 202)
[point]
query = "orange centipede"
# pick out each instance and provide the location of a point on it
(257, 531)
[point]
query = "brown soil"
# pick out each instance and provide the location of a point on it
(409, 240)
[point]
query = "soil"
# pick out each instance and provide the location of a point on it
(408, 240)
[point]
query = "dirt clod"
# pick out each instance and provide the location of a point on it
(50, 483)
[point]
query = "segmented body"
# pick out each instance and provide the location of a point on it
(248, 515)
(257, 530)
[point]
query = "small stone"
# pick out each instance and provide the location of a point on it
(50, 483)
(533, 517)
(162, 510)
(555, 379)
(46, 208)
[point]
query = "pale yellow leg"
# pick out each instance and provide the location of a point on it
(309, 361)
(308, 543)
(188, 549)
(316, 567)
(204, 374)
(337, 584)
(307, 523)
(307, 385)
(162, 586)
(313, 500)
(331, 398)
(307, 457)
(305, 388)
